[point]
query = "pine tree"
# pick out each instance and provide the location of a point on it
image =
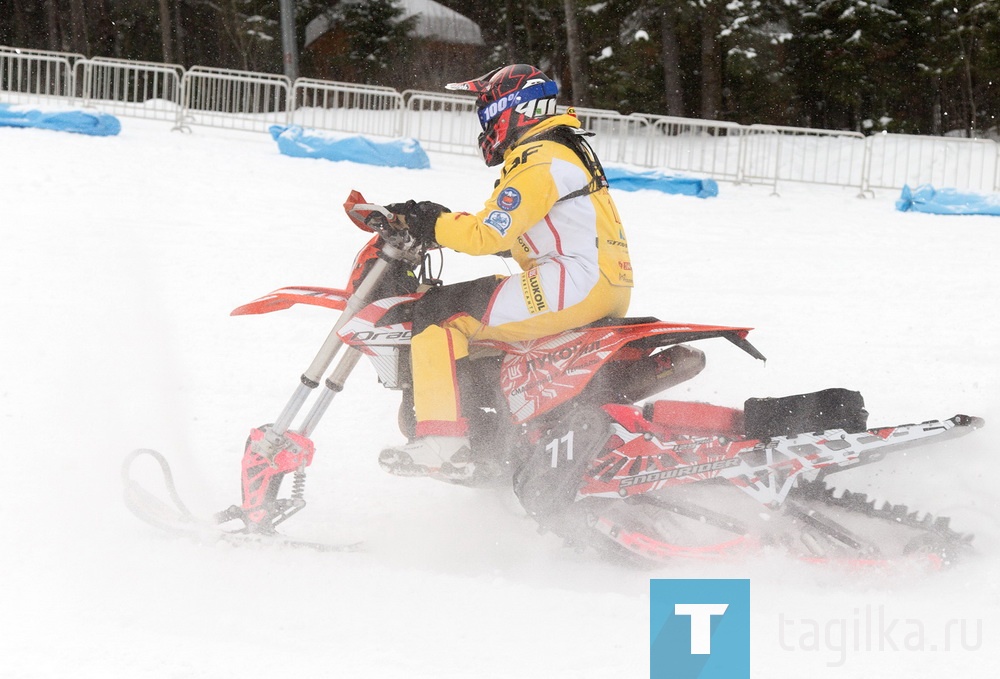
(376, 41)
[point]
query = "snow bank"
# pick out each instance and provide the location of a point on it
(82, 122)
(299, 142)
(633, 180)
(947, 201)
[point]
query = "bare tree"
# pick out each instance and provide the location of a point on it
(52, 23)
(508, 27)
(670, 51)
(78, 28)
(577, 67)
(20, 35)
(165, 37)
(711, 59)
(179, 29)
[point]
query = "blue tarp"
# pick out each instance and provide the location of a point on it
(630, 180)
(925, 198)
(301, 143)
(82, 122)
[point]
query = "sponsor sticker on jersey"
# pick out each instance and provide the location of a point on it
(499, 221)
(509, 199)
(534, 296)
(625, 273)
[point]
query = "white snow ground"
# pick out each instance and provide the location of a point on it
(119, 263)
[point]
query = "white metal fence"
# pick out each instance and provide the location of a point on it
(344, 107)
(695, 146)
(238, 100)
(445, 122)
(773, 154)
(130, 88)
(442, 122)
(616, 136)
(34, 76)
(896, 159)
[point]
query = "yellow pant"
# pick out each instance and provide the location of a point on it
(435, 350)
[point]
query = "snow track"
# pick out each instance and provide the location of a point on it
(120, 261)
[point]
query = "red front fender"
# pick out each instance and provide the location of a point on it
(284, 298)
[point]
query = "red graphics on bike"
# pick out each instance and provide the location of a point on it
(643, 455)
(262, 475)
(370, 335)
(539, 375)
(362, 263)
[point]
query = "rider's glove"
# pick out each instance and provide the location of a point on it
(417, 218)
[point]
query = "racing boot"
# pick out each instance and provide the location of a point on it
(440, 457)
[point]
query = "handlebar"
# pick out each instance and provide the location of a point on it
(377, 219)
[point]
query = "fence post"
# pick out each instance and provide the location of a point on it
(996, 171)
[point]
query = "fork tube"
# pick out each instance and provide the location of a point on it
(333, 342)
(334, 385)
(293, 406)
(312, 376)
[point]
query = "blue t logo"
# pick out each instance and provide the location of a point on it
(699, 629)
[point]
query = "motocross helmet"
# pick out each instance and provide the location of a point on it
(509, 100)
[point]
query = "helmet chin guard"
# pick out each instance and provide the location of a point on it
(509, 101)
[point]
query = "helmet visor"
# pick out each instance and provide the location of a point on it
(536, 91)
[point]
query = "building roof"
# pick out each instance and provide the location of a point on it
(434, 21)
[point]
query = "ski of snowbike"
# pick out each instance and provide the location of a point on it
(174, 518)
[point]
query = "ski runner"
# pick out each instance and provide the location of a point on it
(551, 210)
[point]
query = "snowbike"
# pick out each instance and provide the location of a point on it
(559, 419)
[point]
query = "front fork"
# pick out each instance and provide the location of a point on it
(274, 450)
(269, 456)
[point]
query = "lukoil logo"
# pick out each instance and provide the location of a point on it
(699, 629)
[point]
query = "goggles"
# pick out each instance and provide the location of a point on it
(495, 108)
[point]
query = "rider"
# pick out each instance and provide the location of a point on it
(552, 211)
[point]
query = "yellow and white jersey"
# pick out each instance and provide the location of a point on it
(563, 246)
